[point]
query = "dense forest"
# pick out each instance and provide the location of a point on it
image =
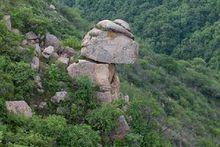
(174, 88)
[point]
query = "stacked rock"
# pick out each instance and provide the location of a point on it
(107, 44)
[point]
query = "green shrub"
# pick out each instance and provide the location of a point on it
(79, 135)
(23, 79)
(72, 42)
(104, 119)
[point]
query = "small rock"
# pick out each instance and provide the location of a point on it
(16, 31)
(48, 51)
(37, 49)
(55, 56)
(7, 20)
(52, 7)
(59, 96)
(68, 52)
(38, 82)
(19, 108)
(123, 23)
(126, 98)
(35, 63)
(24, 42)
(52, 40)
(31, 36)
(42, 105)
(61, 110)
(64, 60)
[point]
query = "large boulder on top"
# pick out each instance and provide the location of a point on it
(103, 75)
(18, 108)
(110, 42)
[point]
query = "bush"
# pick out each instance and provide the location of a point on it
(104, 119)
(23, 79)
(72, 42)
(79, 135)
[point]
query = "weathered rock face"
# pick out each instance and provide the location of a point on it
(123, 127)
(52, 40)
(110, 43)
(31, 36)
(18, 108)
(103, 75)
(68, 52)
(48, 51)
(35, 63)
(122, 23)
(107, 44)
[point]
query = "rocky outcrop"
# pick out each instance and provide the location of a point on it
(18, 108)
(103, 75)
(123, 127)
(107, 44)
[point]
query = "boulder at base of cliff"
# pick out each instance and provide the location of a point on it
(103, 75)
(19, 108)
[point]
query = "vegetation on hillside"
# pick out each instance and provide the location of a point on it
(174, 96)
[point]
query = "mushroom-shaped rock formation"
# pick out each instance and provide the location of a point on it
(107, 44)
(110, 42)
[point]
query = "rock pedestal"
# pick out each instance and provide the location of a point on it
(107, 44)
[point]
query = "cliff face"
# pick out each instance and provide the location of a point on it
(107, 44)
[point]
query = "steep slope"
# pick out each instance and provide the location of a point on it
(172, 102)
(187, 91)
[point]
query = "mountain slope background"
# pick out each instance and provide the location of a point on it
(174, 87)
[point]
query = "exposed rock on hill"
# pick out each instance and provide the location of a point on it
(110, 43)
(103, 75)
(52, 40)
(19, 107)
(107, 44)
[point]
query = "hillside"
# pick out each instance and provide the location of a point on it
(174, 87)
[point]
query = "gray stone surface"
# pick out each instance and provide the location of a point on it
(48, 51)
(19, 108)
(52, 40)
(109, 47)
(59, 96)
(103, 75)
(122, 23)
(35, 64)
